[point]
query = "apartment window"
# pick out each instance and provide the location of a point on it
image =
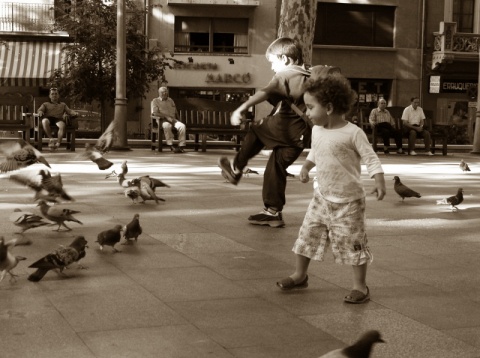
(211, 35)
(463, 15)
(354, 25)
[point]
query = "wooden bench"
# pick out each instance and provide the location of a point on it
(15, 114)
(38, 132)
(437, 132)
(203, 118)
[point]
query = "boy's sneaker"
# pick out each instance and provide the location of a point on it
(267, 218)
(227, 171)
(412, 153)
(429, 153)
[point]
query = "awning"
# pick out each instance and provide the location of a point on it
(215, 2)
(29, 63)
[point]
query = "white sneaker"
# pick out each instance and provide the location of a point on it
(429, 153)
(412, 153)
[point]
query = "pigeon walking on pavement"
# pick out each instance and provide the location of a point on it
(19, 154)
(464, 166)
(123, 171)
(26, 220)
(404, 191)
(453, 200)
(58, 215)
(110, 237)
(132, 230)
(59, 259)
(8, 261)
(360, 349)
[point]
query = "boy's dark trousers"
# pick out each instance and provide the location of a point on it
(386, 131)
(275, 176)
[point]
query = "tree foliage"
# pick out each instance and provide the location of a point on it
(89, 69)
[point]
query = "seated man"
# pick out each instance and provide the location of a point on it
(382, 120)
(54, 112)
(164, 107)
(413, 121)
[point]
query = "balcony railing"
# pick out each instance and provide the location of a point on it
(450, 44)
(22, 17)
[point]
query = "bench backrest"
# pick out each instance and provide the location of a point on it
(198, 112)
(12, 107)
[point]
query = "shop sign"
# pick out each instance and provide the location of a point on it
(439, 84)
(196, 66)
(237, 78)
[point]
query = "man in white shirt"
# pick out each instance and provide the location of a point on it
(413, 121)
(164, 107)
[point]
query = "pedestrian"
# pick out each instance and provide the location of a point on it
(413, 123)
(336, 214)
(54, 113)
(164, 107)
(383, 122)
(284, 131)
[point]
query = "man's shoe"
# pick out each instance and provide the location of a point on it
(412, 153)
(179, 150)
(386, 152)
(228, 172)
(400, 151)
(267, 218)
(429, 153)
(52, 145)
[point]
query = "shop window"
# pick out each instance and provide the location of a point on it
(463, 11)
(354, 25)
(211, 35)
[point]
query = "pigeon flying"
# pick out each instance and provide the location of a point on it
(453, 201)
(19, 154)
(110, 237)
(403, 190)
(464, 166)
(59, 259)
(7, 260)
(360, 349)
(92, 153)
(132, 230)
(58, 214)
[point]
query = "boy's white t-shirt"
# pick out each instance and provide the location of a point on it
(338, 155)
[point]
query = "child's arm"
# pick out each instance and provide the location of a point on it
(307, 166)
(258, 97)
(380, 188)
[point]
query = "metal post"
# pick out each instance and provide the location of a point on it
(476, 133)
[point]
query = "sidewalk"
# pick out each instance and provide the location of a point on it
(200, 281)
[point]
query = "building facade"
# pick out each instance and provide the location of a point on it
(387, 48)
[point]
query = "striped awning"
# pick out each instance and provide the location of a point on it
(29, 63)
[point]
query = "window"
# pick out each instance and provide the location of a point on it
(211, 35)
(354, 25)
(463, 15)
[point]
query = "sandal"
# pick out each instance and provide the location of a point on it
(287, 284)
(356, 296)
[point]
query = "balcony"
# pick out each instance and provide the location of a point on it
(26, 18)
(450, 45)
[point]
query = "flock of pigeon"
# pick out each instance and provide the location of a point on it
(49, 191)
(405, 192)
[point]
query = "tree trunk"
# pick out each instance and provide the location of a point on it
(297, 20)
(476, 133)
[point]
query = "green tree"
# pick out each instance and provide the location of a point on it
(88, 71)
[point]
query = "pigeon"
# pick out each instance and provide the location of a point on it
(360, 349)
(453, 200)
(26, 220)
(47, 187)
(110, 237)
(248, 171)
(124, 171)
(464, 166)
(104, 143)
(19, 154)
(59, 259)
(404, 191)
(58, 215)
(132, 230)
(92, 153)
(146, 187)
(133, 193)
(7, 260)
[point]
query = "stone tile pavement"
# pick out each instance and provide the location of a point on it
(200, 281)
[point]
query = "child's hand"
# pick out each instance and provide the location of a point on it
(236, 118)
(380, 192)
(303, 176)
